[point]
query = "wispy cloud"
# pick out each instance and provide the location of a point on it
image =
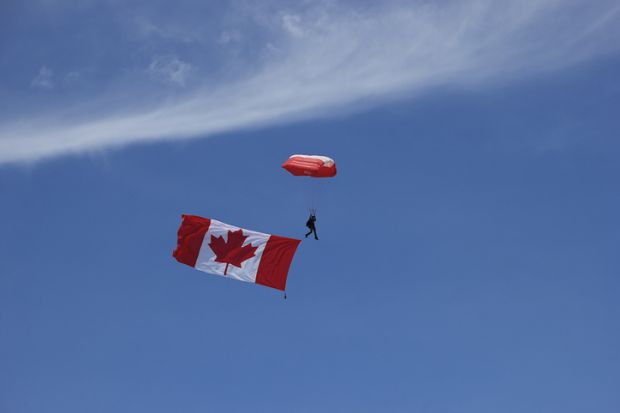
(72, 77)
(337, 58)
(292, 24)
(145, 28)
(229, 36)
(170, 69)
(43, 79)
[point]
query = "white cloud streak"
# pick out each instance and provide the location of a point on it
(339, 59)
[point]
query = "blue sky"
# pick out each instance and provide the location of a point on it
(468, 259)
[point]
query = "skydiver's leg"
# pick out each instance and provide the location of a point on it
(315, 236)
(310, 232)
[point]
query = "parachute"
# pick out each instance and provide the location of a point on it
(315, 166)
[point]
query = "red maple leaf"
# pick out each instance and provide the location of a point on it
(232, 251)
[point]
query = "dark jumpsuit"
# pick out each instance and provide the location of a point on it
(311, 226)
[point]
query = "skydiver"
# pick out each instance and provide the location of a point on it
(311, 226)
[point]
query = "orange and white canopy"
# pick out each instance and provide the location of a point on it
(315, 166)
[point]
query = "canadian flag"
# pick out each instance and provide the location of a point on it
(218, 248)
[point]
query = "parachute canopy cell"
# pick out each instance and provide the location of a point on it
(315, 166)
